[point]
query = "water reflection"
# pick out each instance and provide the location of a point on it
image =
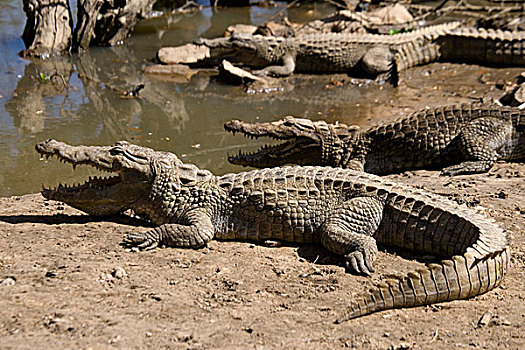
(86, 105)
(83, 104)
(41, 80)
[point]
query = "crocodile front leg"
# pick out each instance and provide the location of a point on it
(349, 232)
(480, 143)
(279, 71)
(196, 233)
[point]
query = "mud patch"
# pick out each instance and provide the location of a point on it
(65, 282)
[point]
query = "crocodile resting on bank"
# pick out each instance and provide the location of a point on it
(344, 210)
(370, 53)
(465, 138)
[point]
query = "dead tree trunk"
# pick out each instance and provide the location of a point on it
(108, 22)
(87, 11)
(48, 27)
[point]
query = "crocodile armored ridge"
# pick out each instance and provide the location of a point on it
(465, 138)
(373, 54)
(348, 212)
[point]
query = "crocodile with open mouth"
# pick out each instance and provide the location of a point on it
(346, 211)
(463, 138)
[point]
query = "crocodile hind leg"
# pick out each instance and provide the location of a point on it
(195, 234)
(480, 143)
(379, 61)
(349, 232)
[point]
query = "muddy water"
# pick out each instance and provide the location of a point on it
(79, 99)
(183, 118)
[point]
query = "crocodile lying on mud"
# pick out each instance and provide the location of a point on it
(344, 210)
(370, 53)
(466, 138)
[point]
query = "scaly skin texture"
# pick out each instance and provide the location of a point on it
(370, 53)
(467, 138)
(467, 45)
(321, 53)
(348, 212)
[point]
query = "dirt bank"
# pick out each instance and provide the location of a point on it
(67, 283)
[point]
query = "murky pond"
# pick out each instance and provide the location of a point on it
(79, 99)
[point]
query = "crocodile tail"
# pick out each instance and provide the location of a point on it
(414, 54)
(461, 277)
(485, 46)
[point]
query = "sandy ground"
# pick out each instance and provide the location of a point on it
(66, 283)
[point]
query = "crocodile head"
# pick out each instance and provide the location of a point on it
(134, 168)
(303, 141)
(241, 48)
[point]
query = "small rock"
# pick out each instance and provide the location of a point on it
(400, 346)
(485, 319)
(392, 14)
(51, 274)
(9, 281)
(500, 321)
(240, 29)
(188, 53)
(317, 271)
(173, 72)
(57, 323)
(106, 277)
(273, 243)
(156, 298)
(502, 194)
(149, 334)
(276, 29)
(119, 273)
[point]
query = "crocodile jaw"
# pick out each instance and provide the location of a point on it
(98, 196)
(299, 151)
(300, 144)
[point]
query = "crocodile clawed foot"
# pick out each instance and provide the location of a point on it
(469, 167)
(360, 262)
(143, 241)
(450, 171)
(453, 171)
